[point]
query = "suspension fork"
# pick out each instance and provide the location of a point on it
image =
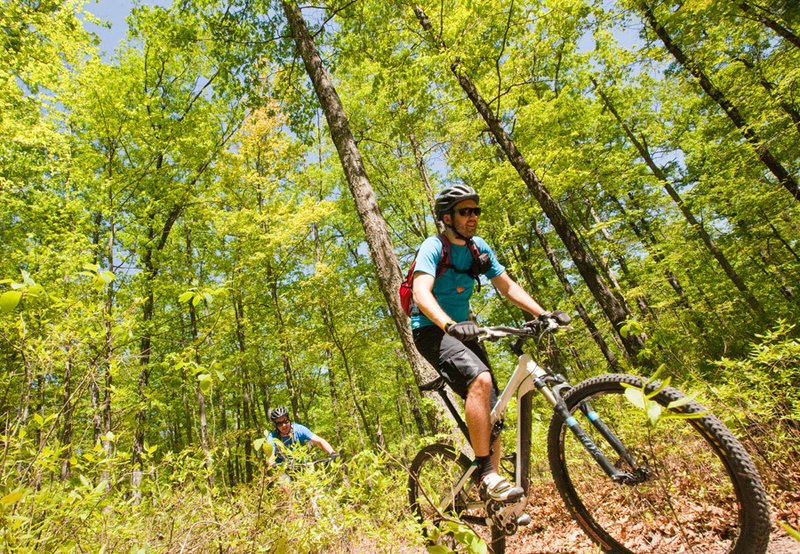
(540, 381)
(607, 433)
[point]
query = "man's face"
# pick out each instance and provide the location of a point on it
(283, 426)
(465, 224)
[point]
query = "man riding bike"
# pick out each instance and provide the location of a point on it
(446, 337)
(287, 436)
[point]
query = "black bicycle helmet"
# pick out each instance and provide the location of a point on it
(449, 197)
(278, 413)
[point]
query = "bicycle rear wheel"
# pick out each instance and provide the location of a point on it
(435, 472)
(703, 493)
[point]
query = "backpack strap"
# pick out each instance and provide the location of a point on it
(444, 260)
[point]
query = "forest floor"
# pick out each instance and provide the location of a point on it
(552, 530)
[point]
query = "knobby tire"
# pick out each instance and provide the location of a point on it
(705, 495)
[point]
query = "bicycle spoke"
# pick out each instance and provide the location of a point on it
(693, 500)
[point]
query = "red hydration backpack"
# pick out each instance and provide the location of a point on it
(406, 287)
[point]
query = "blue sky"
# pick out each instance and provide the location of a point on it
(115, 12)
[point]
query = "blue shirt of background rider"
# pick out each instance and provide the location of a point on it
(301, 434)
(452, 289)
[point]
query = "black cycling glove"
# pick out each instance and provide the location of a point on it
(559, 316)
(463, 330)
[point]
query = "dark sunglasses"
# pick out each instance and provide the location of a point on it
(466, 212)
(282, 422)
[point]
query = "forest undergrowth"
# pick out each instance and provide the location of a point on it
(185, 502)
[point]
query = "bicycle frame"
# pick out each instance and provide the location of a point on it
(527, 378)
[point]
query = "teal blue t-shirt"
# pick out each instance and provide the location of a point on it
(452, 289)
(300, 435)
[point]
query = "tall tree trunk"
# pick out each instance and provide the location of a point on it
(761, 149)
(584, 315)
(614, 310)
(641, 300)
(376, 232)
(760, 14)
(201, 397)
(354, 390)
(426, 182)
(149, 272)
(223, 429)
(653, 248)
(711, 246)
(67, 410)
(247, 408)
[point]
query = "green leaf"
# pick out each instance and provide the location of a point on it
(791, 531)
(15, 496)
(635, 397)
(654, 412)
(204, 381)
(680, 402)
(186, 296)
(9, 300)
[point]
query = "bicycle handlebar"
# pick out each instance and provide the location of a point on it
(544, 324)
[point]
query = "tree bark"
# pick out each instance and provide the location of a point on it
(610, 357)
(613, 309)
(150, 271)
(762, 151)
(780, 30)
(376, 232)
(711, 246)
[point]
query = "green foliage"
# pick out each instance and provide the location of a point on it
(319, 511)
(764, 384)
(180, 251)
(468, 541)
(643, 399)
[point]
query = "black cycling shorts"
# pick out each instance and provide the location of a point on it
(458, 362)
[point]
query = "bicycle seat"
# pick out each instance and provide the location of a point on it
(436, 384)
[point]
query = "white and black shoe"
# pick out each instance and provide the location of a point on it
(496, 487)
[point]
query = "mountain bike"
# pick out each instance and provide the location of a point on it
(315, 482)
(640, 466)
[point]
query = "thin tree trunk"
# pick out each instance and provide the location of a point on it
(597, 336)
(762, 151)
(247, 408)
(782, 31)
(201, 397)
(608, 302)
(641, 300)
(426, 183)
(711, 246)
(376, 232)
(614, 310)
(67, 411)
(149, 272)
(653, 248)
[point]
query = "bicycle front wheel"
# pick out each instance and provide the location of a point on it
(698, 492)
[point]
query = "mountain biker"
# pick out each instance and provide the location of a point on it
(287, 435)
(446, 337)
